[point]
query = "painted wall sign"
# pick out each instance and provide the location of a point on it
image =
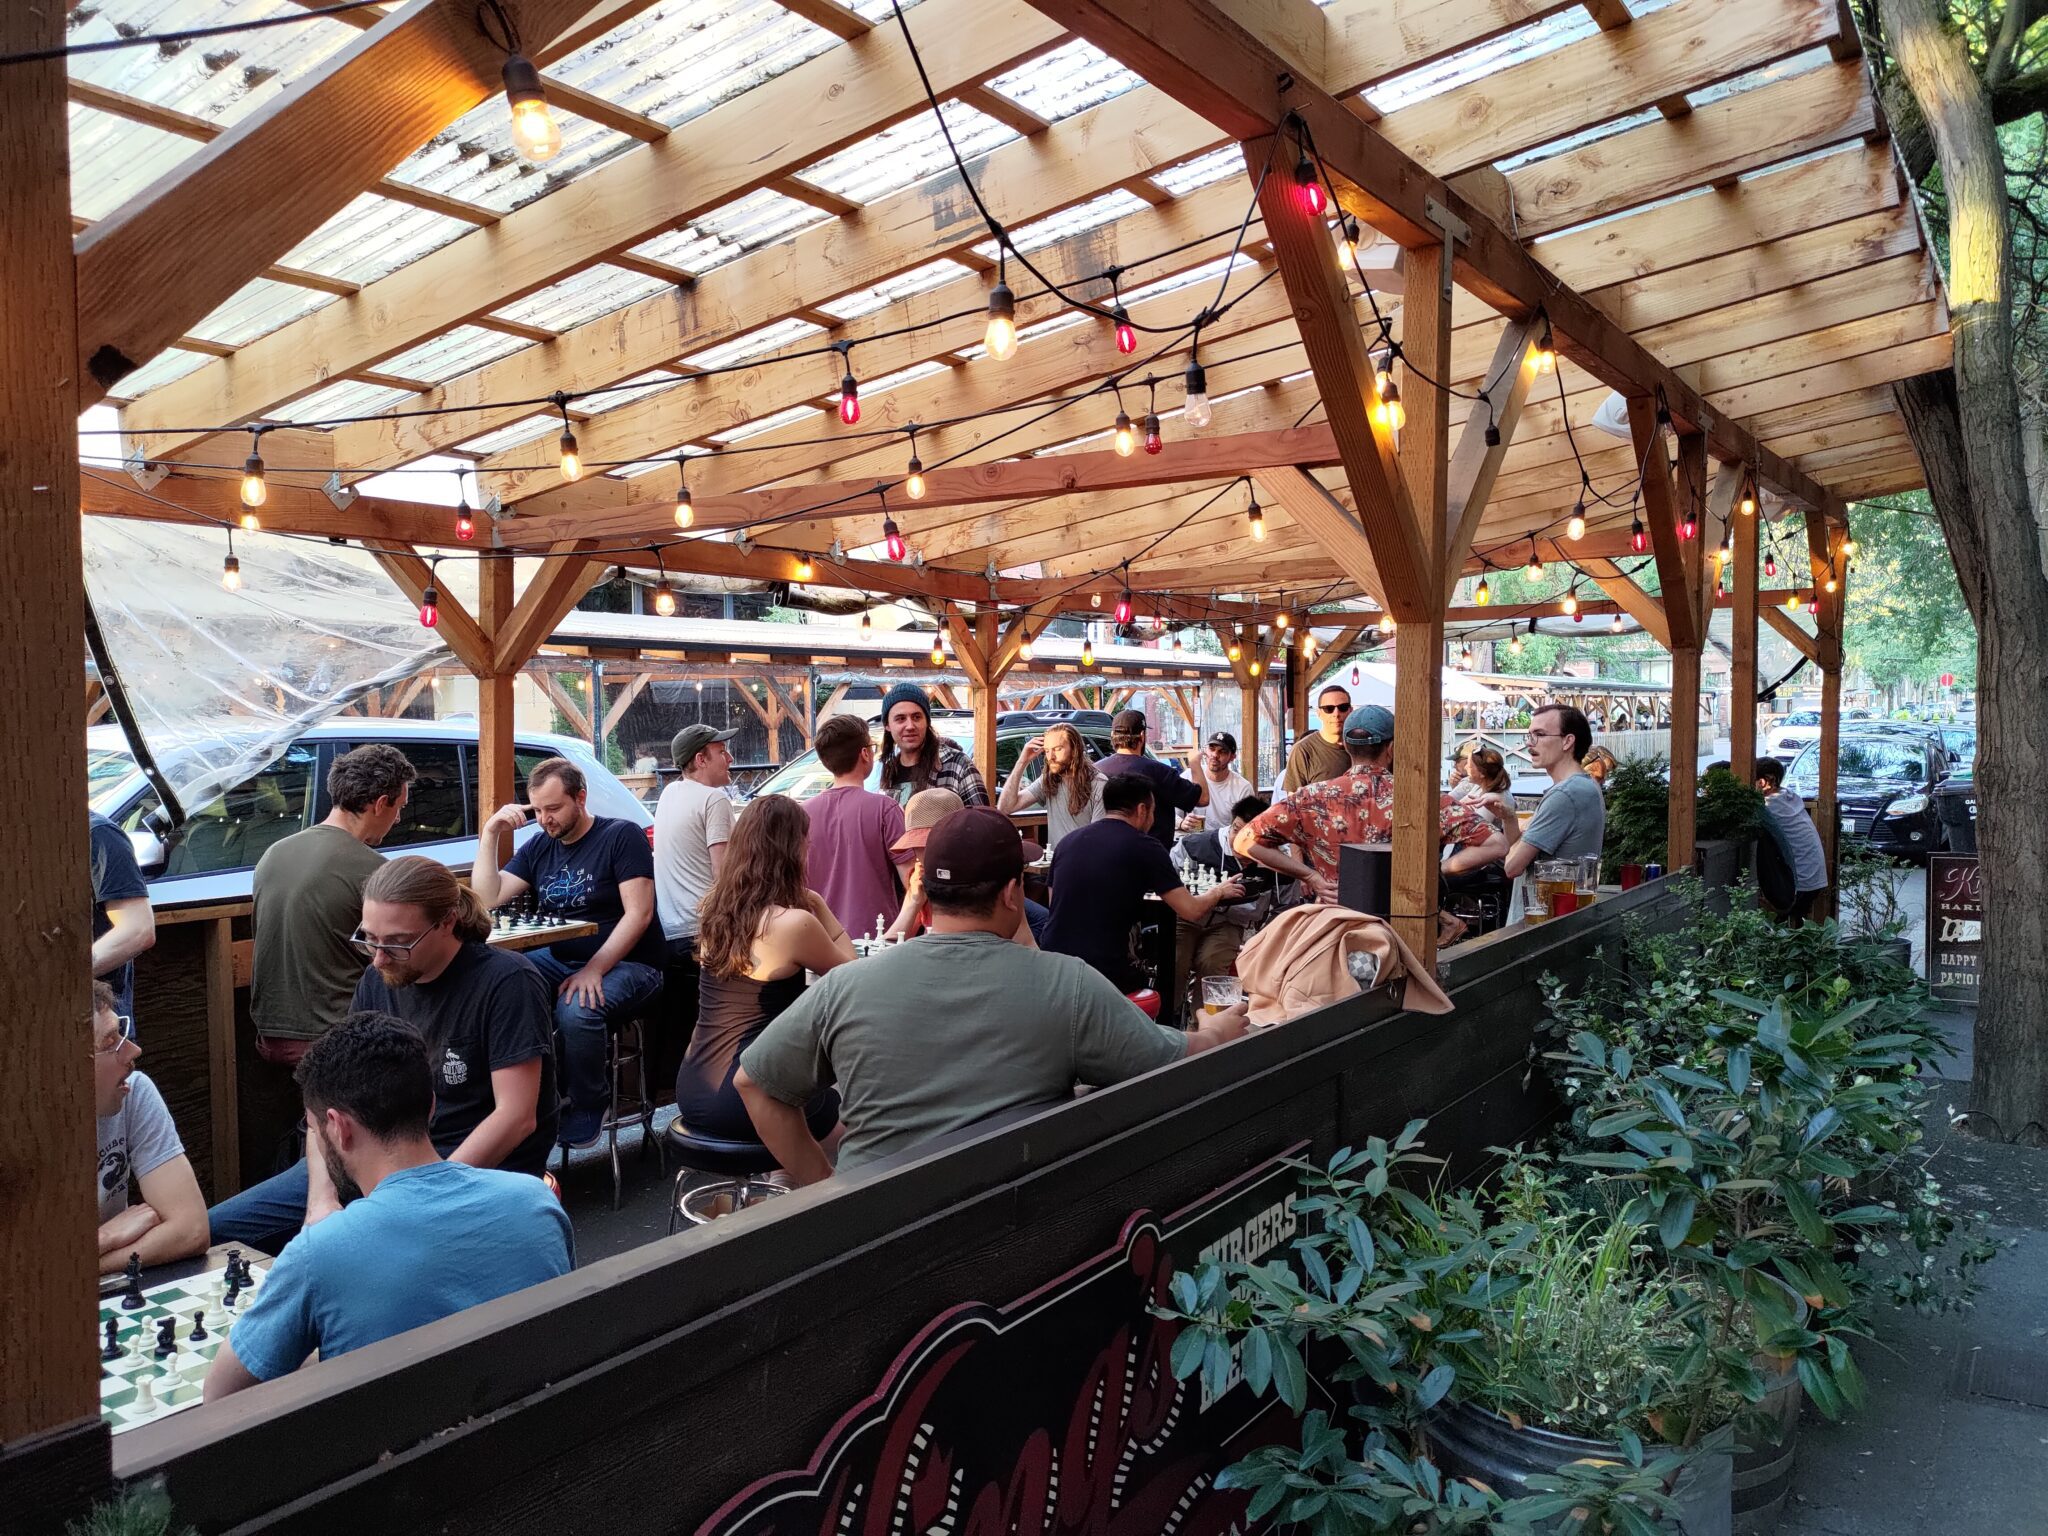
(1955, 926)
(1056, 1412)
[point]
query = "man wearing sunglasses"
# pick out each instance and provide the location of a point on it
(1319, 758)
(138, 1142)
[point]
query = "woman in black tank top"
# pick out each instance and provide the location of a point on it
(759, 930)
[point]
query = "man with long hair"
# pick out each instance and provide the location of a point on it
(1070, 789)
(923, 759)
(414, 1239)
(486, 1018)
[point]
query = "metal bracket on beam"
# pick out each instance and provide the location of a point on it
(989, 571)
(1454, 229)
(837, 553)
(343, 496)
(741, 542)
(144, 472)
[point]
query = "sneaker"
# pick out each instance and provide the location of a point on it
(569, 1138)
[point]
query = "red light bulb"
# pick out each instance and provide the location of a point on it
(849, 400)
(1123, 609)
(430, 608)
(1637, 539)
(1308, 188)
(1154, 443)
(1689, 529)
(465, 525)
(1770, 565)
(1126, 334)
(894, 537)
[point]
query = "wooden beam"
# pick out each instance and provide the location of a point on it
(1661, 512)
(571, 708)
(1475, 466)
(835, 18)
(557, 587)
(1632, 599)
(982, 644)
(1308, 503)
(960, 630)
(457, 627)
(1023, 629)
(46, 1099)
(1800, 639)
(184, 245)
(788, 122)
(1824, 550)
(1742, 672)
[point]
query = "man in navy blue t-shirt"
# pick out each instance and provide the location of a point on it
(595, 869)
(1172, 792)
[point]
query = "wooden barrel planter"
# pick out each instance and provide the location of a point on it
(1765, 1459)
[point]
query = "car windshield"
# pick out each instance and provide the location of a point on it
(1901, 761)
(107, 773)
(1801, 717)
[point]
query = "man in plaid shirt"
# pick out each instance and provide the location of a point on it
(1358, 807)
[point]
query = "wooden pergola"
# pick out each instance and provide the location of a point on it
(1699, 208)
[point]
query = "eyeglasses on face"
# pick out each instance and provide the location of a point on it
(124, 1031)
(1546, 736)
(1333, 709)
(374, 947)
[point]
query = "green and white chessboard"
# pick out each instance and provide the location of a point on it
(177, 1381)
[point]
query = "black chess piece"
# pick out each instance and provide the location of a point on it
(113, 1349)
(133, 1297)
(167, 1338)
(234, 1260)
(232, 1293)
(198, 1335)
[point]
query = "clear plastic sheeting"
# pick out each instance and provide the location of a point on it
(220, 683)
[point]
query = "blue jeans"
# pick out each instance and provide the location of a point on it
(582, 1032)
(1036, 918)
(266, 1215)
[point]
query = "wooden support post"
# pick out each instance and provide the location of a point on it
(53, 1447)
(1685, 754)
(496, 776)
(978, 650)
(1742, 676)
(1824, 550)
(224, 1101)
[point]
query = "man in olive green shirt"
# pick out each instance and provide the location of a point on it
(953, 1027)
(1323, 755)
(308, 893)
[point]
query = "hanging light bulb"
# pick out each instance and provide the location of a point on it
(664, 598)
(1792, 600)
(1154, 443)
(231, 574)
(1256, 520)
(1386, 623)
(1176, 642)
(430, 602)
(805, 571)
(1126, 436)
(1689, 527)
(534, 133)
(1830, 585)
(1123, 607)
(1514, 645)
(849, 396)
(1001, 336)
(1237, 646)
(686, 507)
(1094, 599)
(1747, 506)
(1849, 544)
(1771, 563)
(1024, 651)
(1576, 528)
(1347, 245)
(1389, 412)
(939, 649)
(1544, 357)
(1535, 566)
(1813, 605)
(1088, 651)
(465, 524)
(1196, 411)
(867, 622)
(1570, 603)
(255, 489)
(1465, 655)
(1256, 667)
(250, 522)
(1126, 333)
(1483, 593)
(1616, 624)
(1282, 619)
(892, 536)
(1308, 188)
(572, 460)
(1638, 540)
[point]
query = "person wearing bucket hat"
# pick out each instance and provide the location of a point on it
(1356, 807)
(922, 758)
(954, 1027)
(925, 810)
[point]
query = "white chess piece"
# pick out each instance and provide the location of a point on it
(145, 1395)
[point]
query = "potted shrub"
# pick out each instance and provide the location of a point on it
(1867, 890)
(1727, 819)
(1638, 816)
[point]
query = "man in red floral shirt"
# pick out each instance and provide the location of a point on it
(1358, 807)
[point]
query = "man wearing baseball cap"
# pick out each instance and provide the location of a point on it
(1172, 791)
(1356, 807)
(692, 824)
(952, 1028)
(1220, 779)
(925, 810)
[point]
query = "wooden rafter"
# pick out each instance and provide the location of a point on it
(465, 637)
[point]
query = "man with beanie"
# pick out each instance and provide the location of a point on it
(1357, 807)
(921, 758)
(997, 1029)
(1172, 792)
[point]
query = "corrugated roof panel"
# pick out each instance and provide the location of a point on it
(171, 363)
(865, 301)
(524, 430)
(347, 398)
(684, 57)
(1106, 209)
(257, 310)
(1067, 80)
(580, 297)
(727, 232)
(657, 488)
(901, 376)
(473, 158)
(901, 156)
(762, 424)
(643, 386)
(768, 338)
(222, 79)
(112, 159)
(1202, 171)
(453, 352)
(879, 11)
(1510, 48)
(373, 237)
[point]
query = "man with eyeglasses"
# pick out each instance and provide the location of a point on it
(1319, 758)
(138, 1141)
(1571, 819)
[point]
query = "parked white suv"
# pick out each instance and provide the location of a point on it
(211, 857)
(1785, 739)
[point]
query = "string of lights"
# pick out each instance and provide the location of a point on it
(173, 40)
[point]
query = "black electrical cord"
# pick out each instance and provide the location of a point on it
(187, 35)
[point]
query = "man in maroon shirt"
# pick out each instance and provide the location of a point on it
(852, 826)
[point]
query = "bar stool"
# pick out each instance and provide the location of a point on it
(743, 1163)
(626, 1051)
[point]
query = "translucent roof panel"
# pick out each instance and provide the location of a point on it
(524, 430)
(1065, 81)
(171, 363)
(644, 386)
(762, 424)
(373, 237)
(902, 376)
(906, 154)
(1097, 211)
(1202, 171)
(659, 462)
(865, 301)
(222, 79)
(684, 57)
(582, 296)
(1503, 52)
(257, 310)
(453, 352)
(730, 231)
(768, 338)
(880, 11)
(112, 159)
(347, 398)
(473, 158)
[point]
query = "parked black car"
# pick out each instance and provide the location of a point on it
(1884, 786)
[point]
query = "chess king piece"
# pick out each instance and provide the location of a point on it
(133, 1297)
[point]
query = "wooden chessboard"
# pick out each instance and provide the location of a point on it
(177, 1381)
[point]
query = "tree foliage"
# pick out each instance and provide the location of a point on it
(1906, 620)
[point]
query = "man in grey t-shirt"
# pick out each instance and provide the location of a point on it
(1571, 821)
(138, 1144)
(950, 1028)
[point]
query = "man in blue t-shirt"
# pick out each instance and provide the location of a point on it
(586, 868)
(123, 922)
(1172, 792)
(404, 1239)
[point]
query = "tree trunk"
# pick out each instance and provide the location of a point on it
(1998, 563)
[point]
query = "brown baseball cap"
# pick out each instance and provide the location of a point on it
(923, 811)
(975, 846)
(1128, 722)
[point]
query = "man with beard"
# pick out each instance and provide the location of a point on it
(416, 1239)
(487, 1018)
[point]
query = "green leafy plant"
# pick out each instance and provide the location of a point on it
(1728, 808)
(137, 1511)
(1867, 885)
(1638, 816)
